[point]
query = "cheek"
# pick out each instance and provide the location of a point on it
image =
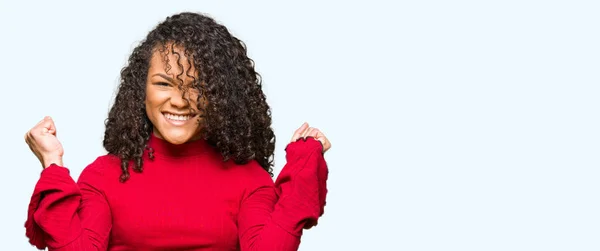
(153, 103)
(193, 97)
(154, 99)
(148, 106)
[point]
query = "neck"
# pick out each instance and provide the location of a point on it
(191, 148)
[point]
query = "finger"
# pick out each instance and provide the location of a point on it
(30, 140)
(47, 126)
(320, 135)
(298, 133)
(52, 127)
(28, 136)
(29, 144)
(314, 133)
(41, 121)
(307, 132)
(326, 144)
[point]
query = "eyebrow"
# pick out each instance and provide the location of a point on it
(170, 79)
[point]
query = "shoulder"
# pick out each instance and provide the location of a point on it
(250, 175)
(105, 165)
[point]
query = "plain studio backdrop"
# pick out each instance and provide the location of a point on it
(456, 125)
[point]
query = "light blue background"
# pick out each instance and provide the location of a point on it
(456, 125)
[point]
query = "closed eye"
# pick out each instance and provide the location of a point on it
(162, 84)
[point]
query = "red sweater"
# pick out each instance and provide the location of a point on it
(186, 198)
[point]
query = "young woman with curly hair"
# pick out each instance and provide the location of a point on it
(190, 155)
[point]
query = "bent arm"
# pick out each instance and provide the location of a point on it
(272, 217)
(64, 215)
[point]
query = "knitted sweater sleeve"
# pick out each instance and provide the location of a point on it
(64, 215)
(273, 216)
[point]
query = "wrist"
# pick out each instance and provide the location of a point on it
(46, 162)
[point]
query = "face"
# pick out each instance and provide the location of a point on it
(174, 115)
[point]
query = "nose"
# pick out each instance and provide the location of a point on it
(179, 99)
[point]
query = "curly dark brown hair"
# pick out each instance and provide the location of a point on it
(236, 119)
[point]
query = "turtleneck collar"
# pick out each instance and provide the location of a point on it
(162, 147)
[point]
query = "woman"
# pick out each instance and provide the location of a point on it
(191, 121)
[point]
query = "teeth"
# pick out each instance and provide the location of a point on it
(177, 117)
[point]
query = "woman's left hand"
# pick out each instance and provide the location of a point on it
(306, 131)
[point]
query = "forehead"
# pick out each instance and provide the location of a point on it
(171, 60)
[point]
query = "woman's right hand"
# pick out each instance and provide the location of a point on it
(306, 131)
(44, 144)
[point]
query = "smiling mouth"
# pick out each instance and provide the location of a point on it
(178, 119)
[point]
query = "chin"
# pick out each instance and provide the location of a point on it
(177, 140)
(177, 135)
